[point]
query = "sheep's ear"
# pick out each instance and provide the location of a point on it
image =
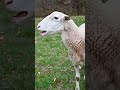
(66, 18)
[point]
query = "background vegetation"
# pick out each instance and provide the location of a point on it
(70, 7)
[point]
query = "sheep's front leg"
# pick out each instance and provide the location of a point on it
(77, 77)
(73, 57)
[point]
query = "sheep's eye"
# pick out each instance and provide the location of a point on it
(104, 1)
(56, 18)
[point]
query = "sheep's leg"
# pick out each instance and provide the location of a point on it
(84, 77)
(77, 69)
(80, 67)
(77, 77)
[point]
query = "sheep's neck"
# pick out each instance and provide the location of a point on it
(72, 39)
(71, 35)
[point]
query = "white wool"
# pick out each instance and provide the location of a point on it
(82, 30)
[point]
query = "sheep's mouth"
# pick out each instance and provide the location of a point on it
(42, 33)
(19, 15)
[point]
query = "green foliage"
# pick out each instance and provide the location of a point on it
(53, 70)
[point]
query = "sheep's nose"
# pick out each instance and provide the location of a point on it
(38, 26)
(8, 2)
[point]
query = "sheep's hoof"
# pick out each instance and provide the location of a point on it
(77, 88)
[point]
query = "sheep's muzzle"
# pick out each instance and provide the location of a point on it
(42, 33)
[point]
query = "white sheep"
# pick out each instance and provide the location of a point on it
(72, 36)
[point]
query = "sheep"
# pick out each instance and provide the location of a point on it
(102, 45)
(72, 36)
(24, 9)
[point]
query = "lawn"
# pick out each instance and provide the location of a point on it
(53, 70)
(16, 53)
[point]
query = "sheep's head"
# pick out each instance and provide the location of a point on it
(23, 9)
(53, 23)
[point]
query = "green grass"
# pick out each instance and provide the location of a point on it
(16, 53)
(53, 70)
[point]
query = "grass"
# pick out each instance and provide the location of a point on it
(16, 53)
(53, 70)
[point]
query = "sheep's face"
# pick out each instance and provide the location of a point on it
(53, 23)
(24, 9)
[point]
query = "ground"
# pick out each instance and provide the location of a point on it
(53, 70)
(16, 53)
